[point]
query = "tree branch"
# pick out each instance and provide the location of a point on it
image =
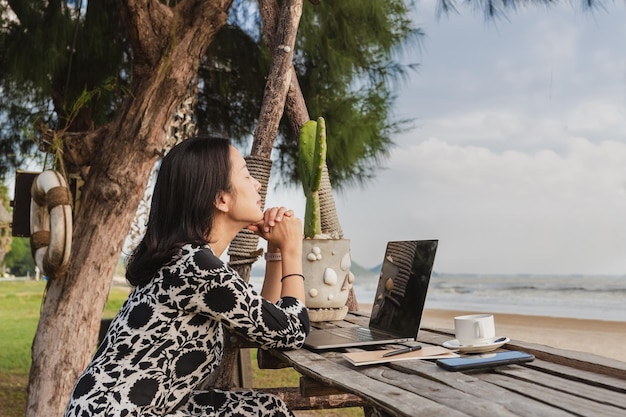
(149, 22)
(155, 24)
(279, 78)
(78, 147)
(295, 106)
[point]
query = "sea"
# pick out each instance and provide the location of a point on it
(597, 297)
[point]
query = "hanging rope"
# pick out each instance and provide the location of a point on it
(328, 212)
(244, 246)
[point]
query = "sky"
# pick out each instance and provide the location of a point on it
(517, 159)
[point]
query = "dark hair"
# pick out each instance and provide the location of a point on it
(190, 178)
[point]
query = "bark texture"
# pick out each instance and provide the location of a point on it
(167, 43)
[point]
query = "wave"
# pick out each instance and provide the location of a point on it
(584, 297)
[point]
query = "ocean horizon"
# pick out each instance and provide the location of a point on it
(595, 297)
(578, 296)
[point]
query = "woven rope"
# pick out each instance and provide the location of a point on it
(52, 270)
(58, 196)
(328, 212)
(39, 239)
(245, 243)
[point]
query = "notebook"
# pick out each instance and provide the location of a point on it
(398, 303)
(372, 357)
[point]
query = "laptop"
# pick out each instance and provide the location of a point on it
(398, 304)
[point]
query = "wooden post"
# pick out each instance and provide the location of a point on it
(272, 109)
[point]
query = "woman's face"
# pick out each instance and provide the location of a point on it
(245, 204)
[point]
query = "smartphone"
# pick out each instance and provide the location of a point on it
(485, 360)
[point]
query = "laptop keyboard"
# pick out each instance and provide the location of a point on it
(362, 333)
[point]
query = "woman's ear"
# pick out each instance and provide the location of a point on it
(222, 201)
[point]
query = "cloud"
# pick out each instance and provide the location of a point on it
(498, 212)
(531, 69)
(517, 162)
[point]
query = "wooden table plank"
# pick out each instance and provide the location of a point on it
(471, 382)
(586, 367)
(465, 393)
(468, 395)
(573, 359)
(572, 404)
(577, 360)
(381, 395)
(613, 383)
(583, 389)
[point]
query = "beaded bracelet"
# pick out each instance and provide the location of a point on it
(292, 275)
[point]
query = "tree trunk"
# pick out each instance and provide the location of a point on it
(167, 45)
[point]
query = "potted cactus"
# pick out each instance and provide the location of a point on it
(326, 255)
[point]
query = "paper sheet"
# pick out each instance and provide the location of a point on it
(376, 356)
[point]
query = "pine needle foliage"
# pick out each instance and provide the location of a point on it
(64, 63)
(348, 67)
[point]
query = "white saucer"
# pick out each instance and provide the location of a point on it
(486, 347)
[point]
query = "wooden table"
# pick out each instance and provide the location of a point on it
(556, 383)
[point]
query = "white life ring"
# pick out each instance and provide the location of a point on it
(51, 223)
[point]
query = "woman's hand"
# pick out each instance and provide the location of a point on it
(279, 227)
(283, 232)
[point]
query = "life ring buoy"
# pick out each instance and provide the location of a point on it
(51, 223)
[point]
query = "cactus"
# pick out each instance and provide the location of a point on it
(311, 160)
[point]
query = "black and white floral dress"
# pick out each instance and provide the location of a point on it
(168, 337)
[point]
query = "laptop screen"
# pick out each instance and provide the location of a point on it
(402, 285)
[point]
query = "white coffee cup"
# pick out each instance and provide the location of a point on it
(474, 329)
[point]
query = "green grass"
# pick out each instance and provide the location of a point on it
(20, 304)
(19, 313)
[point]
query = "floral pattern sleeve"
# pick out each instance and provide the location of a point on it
(168, 337)
(203, 284)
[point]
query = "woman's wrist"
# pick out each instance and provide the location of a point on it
(292, 251)
(292, 275)
(273, 256)
(273, 253)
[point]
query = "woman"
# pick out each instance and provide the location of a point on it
(168, 336)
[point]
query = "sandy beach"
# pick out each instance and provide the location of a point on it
(603, 338)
